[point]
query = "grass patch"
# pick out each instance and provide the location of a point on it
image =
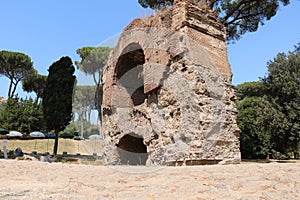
(83, 147)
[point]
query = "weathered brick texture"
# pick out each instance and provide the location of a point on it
(167, 94)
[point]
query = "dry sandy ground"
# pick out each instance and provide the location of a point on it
(37, 180)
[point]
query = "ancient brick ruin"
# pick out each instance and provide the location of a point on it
(167, 93)
(2, 100)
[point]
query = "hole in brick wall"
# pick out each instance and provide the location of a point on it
(132, 150)
(172, 114)
(138, 97)
(107, 111)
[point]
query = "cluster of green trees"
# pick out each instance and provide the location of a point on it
(269, 110)
(56, 97)
(54, 112)
(17, 67)
(24, 115)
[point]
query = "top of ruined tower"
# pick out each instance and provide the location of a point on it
(191, 19)
(199, 3)
(184, 13)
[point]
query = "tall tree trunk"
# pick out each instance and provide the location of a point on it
(98, 101)
(14, 87)
(81, 128)
(99, 125)
(55, 148)
(9, 90)
(14, 90)
(89, 114)
(80, 118)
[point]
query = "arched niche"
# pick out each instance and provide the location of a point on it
(129, 72)
(132, 150)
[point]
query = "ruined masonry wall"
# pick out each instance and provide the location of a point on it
(167, 85)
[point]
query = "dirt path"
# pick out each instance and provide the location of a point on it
(36, 180)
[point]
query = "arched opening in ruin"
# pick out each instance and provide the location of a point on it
(132, 150)
(129, 72)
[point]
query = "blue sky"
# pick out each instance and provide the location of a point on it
(48, 30)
